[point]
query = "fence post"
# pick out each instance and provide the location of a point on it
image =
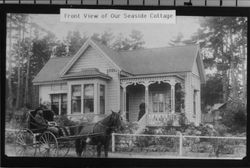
(180, 145)
(113, 142)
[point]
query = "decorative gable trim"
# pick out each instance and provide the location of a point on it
(88, 43)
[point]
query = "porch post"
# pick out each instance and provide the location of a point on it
(124, 99)
(124, 93)
(172, 83)
(146, 99)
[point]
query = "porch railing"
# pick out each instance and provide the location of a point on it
(163, 119)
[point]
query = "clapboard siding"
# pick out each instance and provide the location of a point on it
(44, 93)
(91, 58)
(189, 97)
(196, 86)
(121, 99)
(113, 92)
(46, 90)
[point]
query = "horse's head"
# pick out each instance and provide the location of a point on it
(116, 121)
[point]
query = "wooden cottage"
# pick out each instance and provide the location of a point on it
(98, 79)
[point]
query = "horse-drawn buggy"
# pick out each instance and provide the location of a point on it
(53, 140)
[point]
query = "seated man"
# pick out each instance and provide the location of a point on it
(44, 123)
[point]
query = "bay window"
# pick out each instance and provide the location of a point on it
(76, 99)
(102, 99)
(88, 103)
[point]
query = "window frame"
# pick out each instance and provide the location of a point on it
(93, 98)
(71, 94)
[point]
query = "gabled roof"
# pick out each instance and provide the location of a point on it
(51, 70)
(154, 60)
(89, 42)
(137, 62)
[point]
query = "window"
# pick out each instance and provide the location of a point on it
(55, 103)
(59, 103)
(102, 99)
(63, 104)
(88, 98)
(158, 102)
(76, 99)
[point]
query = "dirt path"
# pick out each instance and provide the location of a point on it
(10, 151)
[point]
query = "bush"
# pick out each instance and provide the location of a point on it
(235, 117)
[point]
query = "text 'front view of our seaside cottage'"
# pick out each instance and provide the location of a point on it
(98, 79)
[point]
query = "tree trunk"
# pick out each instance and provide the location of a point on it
(10, 93)
(26, 92)
(234, 82)
(244, 58)
(225, 85)
(19, 71)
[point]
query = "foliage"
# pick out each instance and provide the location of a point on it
(211, 92)
(222, 42)
(133, 42)
(31, 46)
(235, 117)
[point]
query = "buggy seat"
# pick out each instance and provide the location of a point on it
(36, 127)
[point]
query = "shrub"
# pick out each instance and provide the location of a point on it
(235, 117)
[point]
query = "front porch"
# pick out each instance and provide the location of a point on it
(162, 97)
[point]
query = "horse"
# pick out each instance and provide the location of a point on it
(99, 133)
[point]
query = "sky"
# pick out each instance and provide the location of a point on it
(154, 35)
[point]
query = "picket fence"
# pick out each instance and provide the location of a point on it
(180, 137)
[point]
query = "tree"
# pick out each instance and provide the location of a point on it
(15, 27)
(223, 42)
(178, 40)
(104, 38)
(74, 42)
(133, 42)
(136, 41)
(121, 43)
(212, 90)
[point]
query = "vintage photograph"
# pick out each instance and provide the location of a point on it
(121, 90)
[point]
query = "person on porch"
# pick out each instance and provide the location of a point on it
(141, 110)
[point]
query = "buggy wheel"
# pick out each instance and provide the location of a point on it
(25, 143)
(63, 148)
(48, 145)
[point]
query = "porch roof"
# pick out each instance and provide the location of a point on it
(153, 76)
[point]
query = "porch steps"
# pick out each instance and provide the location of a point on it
(141, 125)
